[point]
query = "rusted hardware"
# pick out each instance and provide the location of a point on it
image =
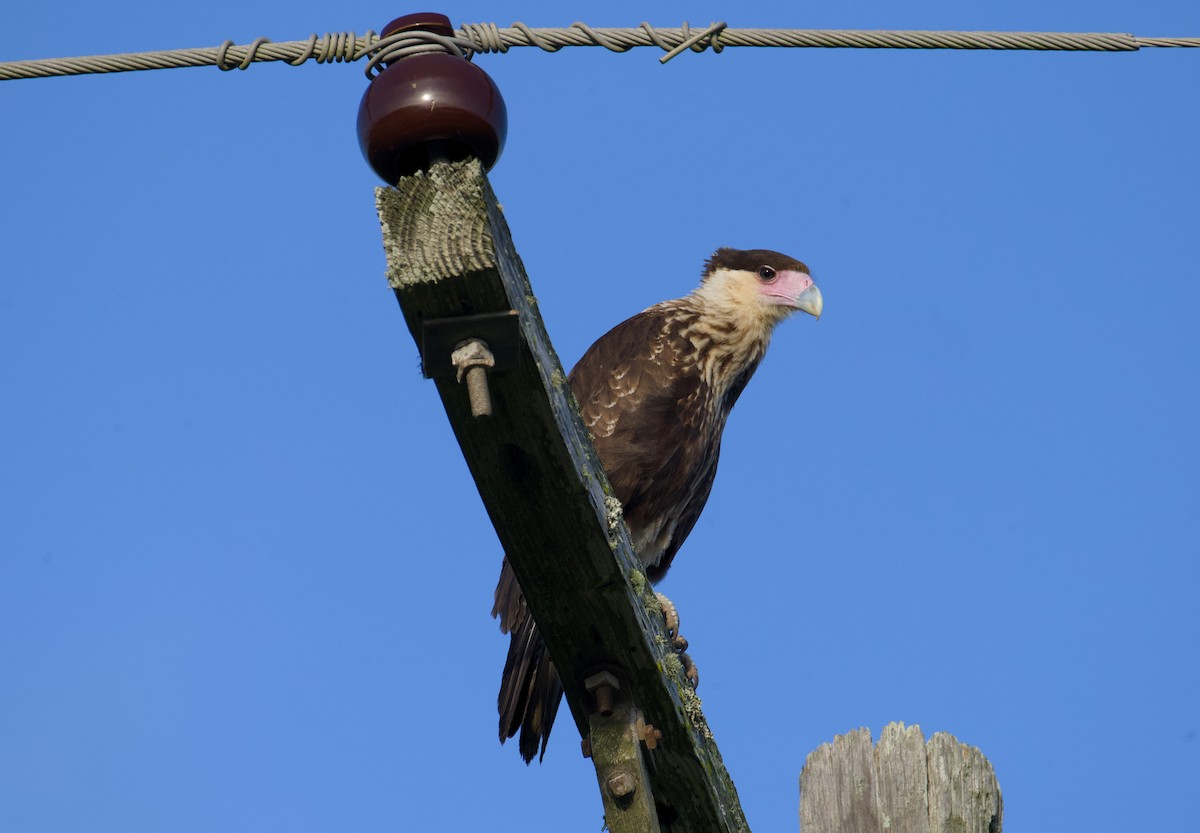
(647, 733)
(603, 684)
(621, 783)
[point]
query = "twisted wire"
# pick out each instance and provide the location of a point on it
(1169, 42)
(414, 42)
(344, 47)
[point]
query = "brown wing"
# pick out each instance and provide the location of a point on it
(658, 432)
(650, 415)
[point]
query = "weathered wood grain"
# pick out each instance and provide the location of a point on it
(837, 787)
(449, 253)
(900, 761)
(964, 796)
(902, 785)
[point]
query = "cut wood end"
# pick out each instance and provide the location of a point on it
(902, 785)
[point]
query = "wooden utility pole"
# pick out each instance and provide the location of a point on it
(902, 785)
(458, 278)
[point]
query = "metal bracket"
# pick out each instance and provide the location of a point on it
(469, 347)
(501, 331)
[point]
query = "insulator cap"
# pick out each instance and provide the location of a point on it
(429, 107)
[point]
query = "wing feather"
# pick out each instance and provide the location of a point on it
(642, 397)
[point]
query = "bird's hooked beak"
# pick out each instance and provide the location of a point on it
(810, 301)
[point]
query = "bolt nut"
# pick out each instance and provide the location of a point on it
(647, 733)
(621, 784)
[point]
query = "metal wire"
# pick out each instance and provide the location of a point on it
(471, 38)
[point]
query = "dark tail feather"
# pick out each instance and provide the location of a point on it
(530, 691)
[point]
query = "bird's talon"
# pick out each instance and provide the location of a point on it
(689, 670)
(670, 615)
(678, 642)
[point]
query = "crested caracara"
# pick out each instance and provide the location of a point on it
(655, 392)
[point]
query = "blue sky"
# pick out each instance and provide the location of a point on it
(245, 577)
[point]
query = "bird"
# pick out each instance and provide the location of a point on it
(655, 393)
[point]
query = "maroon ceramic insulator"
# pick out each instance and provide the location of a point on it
(429, 107)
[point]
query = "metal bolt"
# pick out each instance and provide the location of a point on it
(477, 391)
(604, 700)
(602, 684)
(621, 784)
(472, 358)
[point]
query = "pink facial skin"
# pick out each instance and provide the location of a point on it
(786, 287)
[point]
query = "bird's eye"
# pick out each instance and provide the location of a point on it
(766, 273)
